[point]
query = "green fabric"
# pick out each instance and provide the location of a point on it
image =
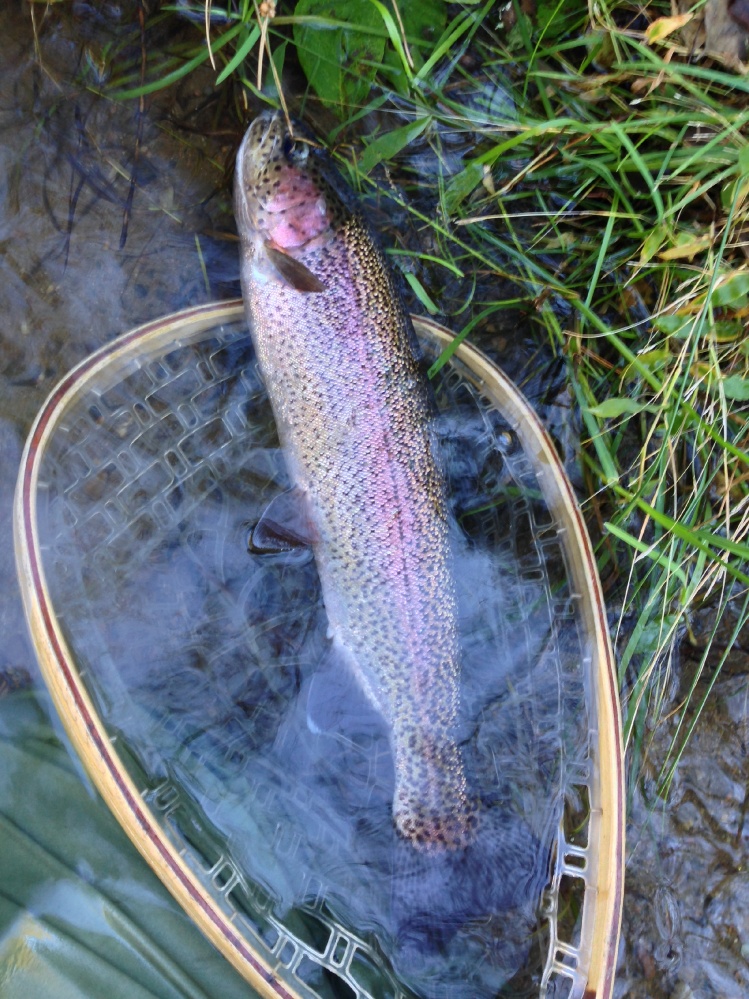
(81, 914)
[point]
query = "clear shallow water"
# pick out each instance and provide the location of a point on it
(212, 668)
(685, 908)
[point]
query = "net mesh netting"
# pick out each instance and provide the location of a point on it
(211, 669)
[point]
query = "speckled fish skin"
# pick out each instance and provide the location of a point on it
(353, 412)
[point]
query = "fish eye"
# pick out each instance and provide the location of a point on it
(295, 150)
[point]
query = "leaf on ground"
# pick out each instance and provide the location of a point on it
(675, 325)
(654, 360)
(340, 62)
(686, 247)
(665, 26)
(732, 292)
(737, 388)
(652, 243)
(390, 143)
(611, 408)
(461, 185)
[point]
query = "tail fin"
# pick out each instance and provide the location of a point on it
(432, 809)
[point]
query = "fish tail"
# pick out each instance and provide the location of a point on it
(432, 809)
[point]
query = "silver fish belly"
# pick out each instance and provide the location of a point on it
(335, 347)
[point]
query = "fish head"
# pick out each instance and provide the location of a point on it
(283, 199)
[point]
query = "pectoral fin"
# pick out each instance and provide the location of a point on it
(292, 271)
(284, 525)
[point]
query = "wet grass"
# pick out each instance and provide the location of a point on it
(602, 167)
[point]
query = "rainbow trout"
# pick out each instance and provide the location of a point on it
(336, 350)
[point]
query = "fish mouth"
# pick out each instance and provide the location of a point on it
(259, 150)
(272, 138)
(279, 199)
(259, 146)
